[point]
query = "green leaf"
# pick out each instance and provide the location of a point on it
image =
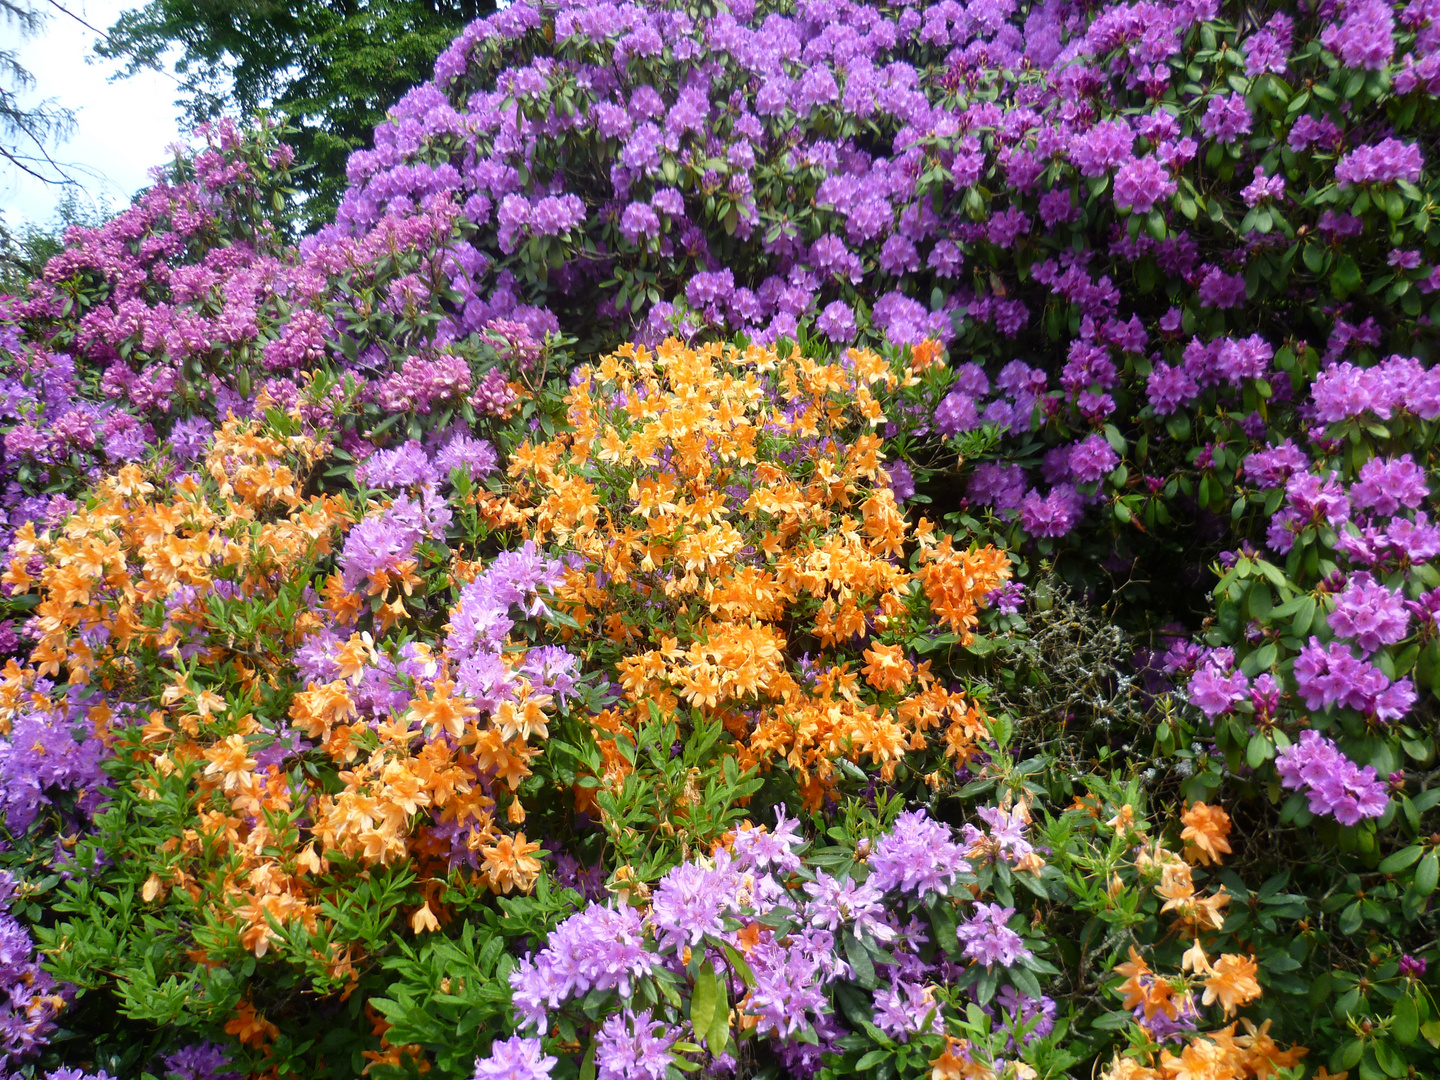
(1350, 919)
(1390, 1059)
(702, 999)
(717, 1036)
(1401, 859)
(1406, 1027)
(1259, 750)
(738, 963)
(1427, 874)
(1351, 1053)
(1346, 278)
(860, 961)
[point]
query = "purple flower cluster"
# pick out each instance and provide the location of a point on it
(481, 622)
(199, 1061)
(41, 758)
(916, 856)
(735, 898)
(1141, 183)
(633, 1046)
(989, 941)
(383, 543)
(1224, 362)
(1054, 514)
(1383, 163)
(1400, 383)
(1332, 675)
(29, 999)
(1363, 37)
(1369, 613)
(1333, 783)
(1214, 688)
(409, 465)
(904, 1009)
(516, 1058)
(600, 948)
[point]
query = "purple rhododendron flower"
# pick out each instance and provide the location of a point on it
(837, 322)
(1143, 182)
(1332, 675)
(1226, 118)
(1370, 613)
(1387, 484)
(1092, 459)
(516, 1058)
(1382, 163)
(1213, 689)
(1363, 36)
(999, 486)
(989, 941)
(1055, 514)
(916, 856)
(1332, 782)
(633, 1046)
(904, 1009)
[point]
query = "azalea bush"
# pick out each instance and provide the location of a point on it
(765, 539)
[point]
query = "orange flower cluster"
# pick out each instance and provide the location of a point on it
(1206, 829)
(1231, 981)
(152, 568)
(733, 512)
(126, 550)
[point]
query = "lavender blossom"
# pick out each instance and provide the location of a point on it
(989, 941)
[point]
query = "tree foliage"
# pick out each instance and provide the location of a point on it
(334, 66)
(28, 132)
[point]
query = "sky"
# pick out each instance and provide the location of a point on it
(121, 128)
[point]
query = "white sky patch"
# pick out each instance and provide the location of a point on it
(121, 128)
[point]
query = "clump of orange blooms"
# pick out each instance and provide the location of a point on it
(133, 588)
(734, 515)
(1230, 981)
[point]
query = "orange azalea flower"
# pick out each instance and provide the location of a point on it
(1124, 1068)
(1206, 829)
(509, 763)
(956, 1063)
(1202, 1059)
(925, 354)
(424, 921)
(442, 711)
(1232, 982)
(518, 720)
(231, 761)
(1124, 819)
(1195, 960)
(509, 863)
(1265, 1057)
(1138, 980)
(886, 668)
(250, 1027)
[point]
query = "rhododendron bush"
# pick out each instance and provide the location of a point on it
(766, 539)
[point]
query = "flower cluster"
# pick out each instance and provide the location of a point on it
(729, 500)
(1332, 782)
(758, 924)
(30, 1000)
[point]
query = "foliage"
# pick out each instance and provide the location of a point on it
(331, 69)
(28, 133)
